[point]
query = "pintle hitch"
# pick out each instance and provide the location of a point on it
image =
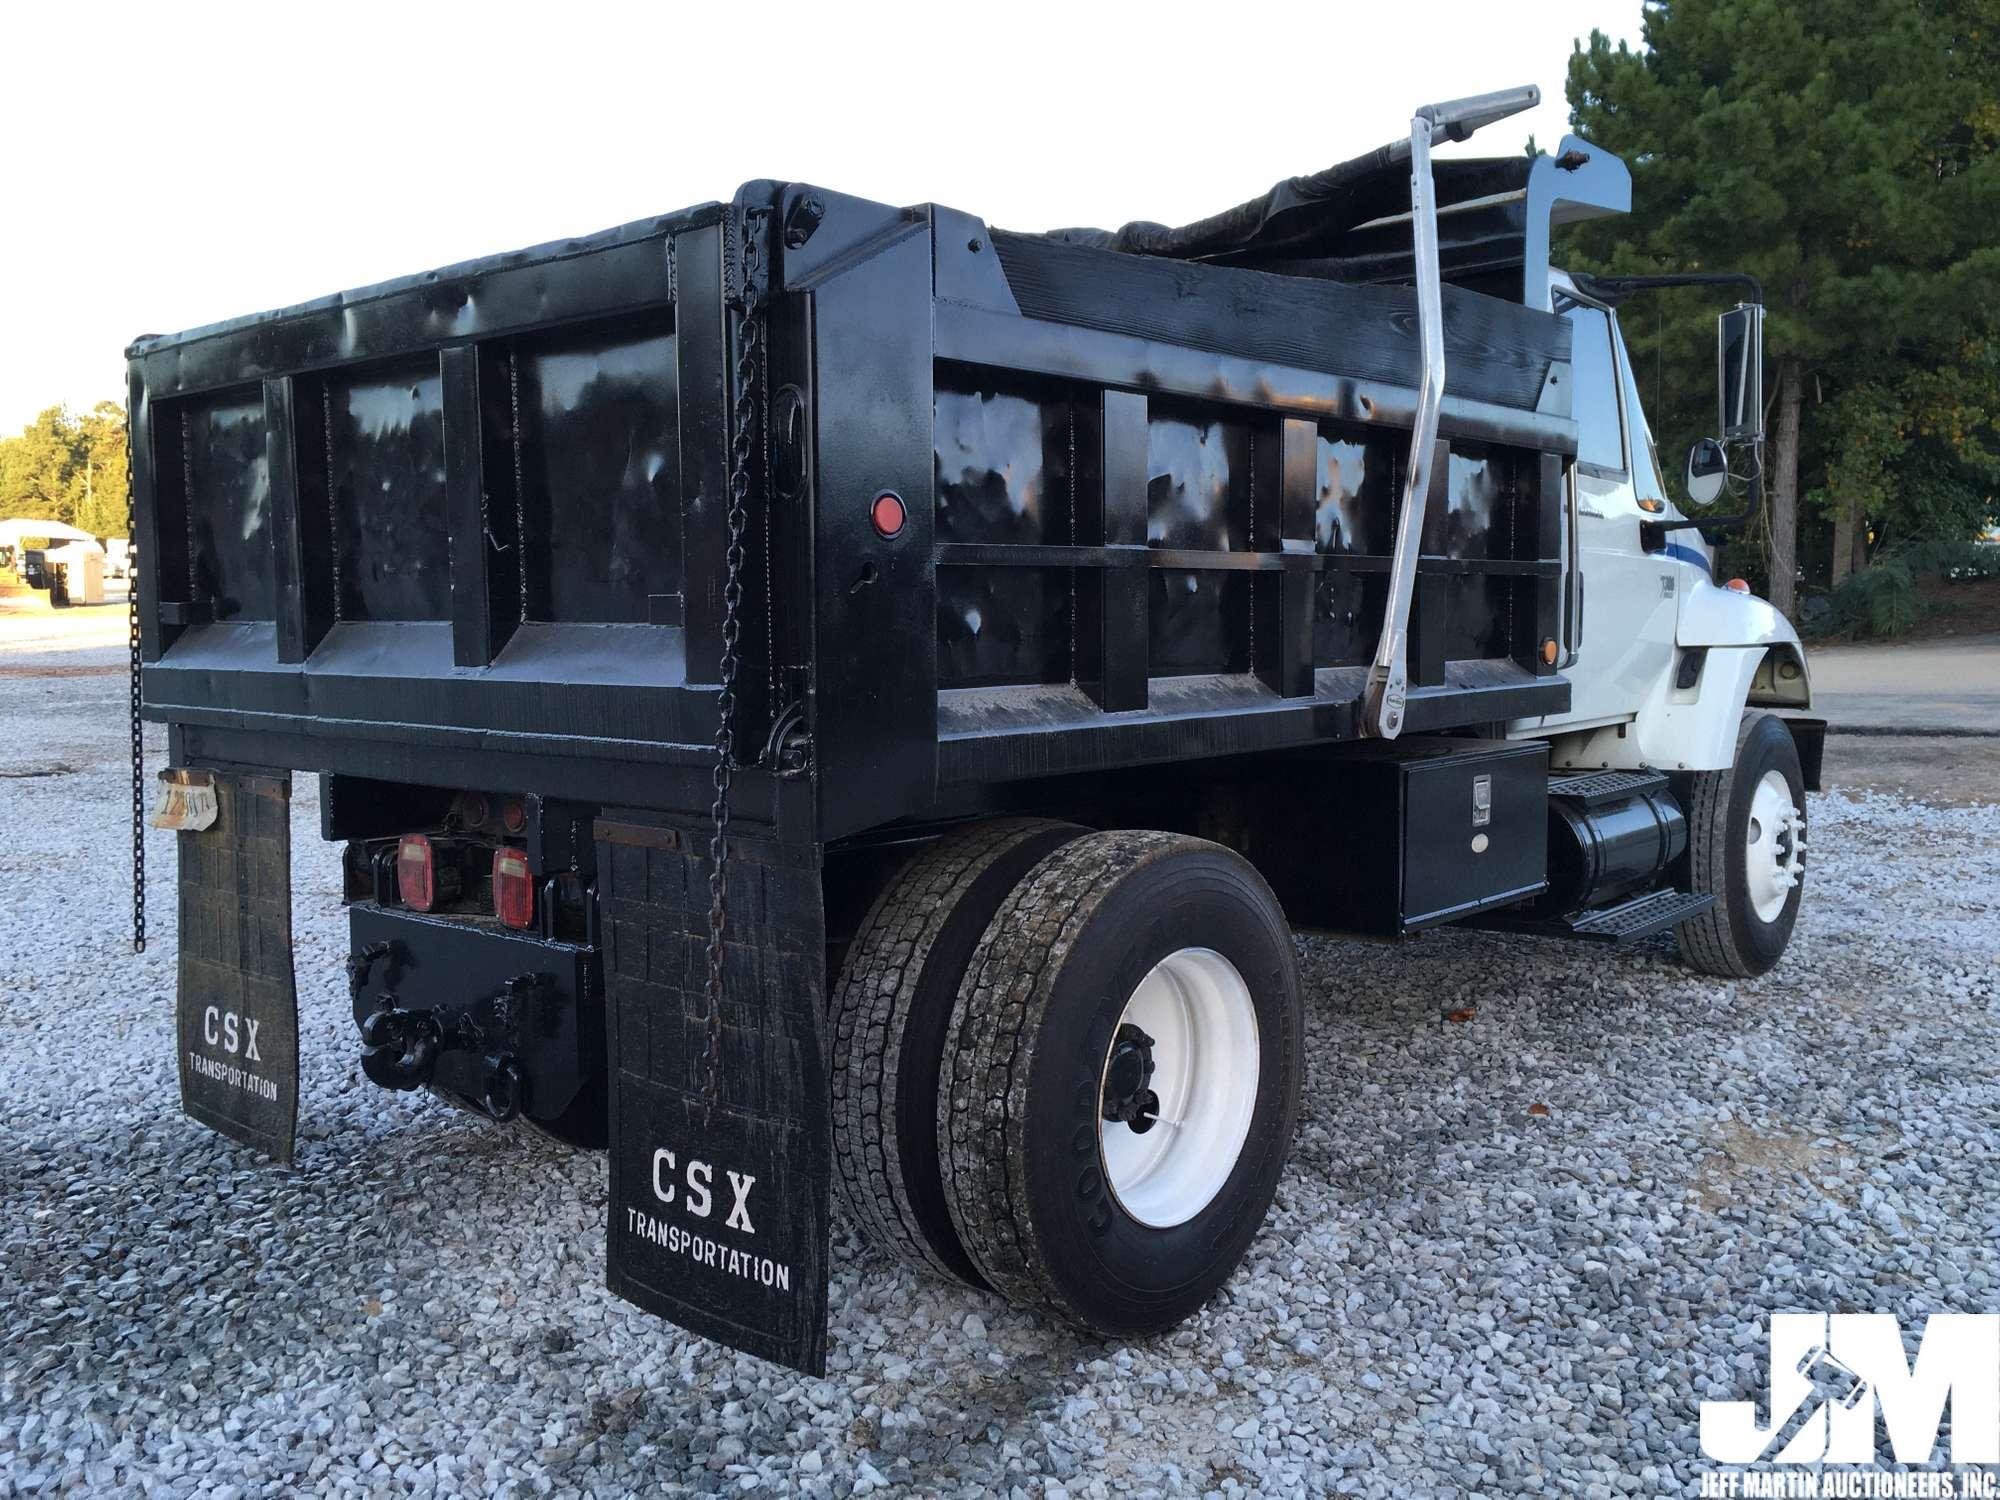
(401, 1048)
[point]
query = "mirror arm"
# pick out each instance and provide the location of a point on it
(1615, 289)
(1652, 534)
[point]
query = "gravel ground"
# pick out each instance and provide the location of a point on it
(1542, 1201)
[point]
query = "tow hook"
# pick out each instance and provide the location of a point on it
(402, 1048)
(1127, 1075)
(399, 1048)
(506, 1088)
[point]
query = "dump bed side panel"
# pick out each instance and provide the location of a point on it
(472, 526)
(1159, 511)
(1498, 351)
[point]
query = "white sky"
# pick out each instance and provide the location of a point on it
(175, 164)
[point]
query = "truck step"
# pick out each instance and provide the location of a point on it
(1627, 922)
(1597, 787)
(1640, 917)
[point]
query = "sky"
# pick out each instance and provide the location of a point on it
(172, 165)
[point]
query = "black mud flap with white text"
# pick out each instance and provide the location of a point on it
(718, 1215)
(237, 1006)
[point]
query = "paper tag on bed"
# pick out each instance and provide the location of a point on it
(185, 801)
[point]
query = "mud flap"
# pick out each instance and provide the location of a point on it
(238, 1010)
(718, 1218)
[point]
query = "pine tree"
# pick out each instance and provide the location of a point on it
(1842, 151)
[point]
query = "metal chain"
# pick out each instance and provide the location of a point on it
(743, 429)
(138, 725)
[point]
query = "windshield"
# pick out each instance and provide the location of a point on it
(1594, 391)
(1646, 480)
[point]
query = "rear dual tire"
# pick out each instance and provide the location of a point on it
(1098, 956)
(1032, 1169)
(890, 1007)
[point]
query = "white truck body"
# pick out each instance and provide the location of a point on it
(1634, 611)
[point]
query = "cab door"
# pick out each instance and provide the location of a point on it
(1622, 630)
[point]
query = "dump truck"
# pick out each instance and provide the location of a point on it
(822, 699)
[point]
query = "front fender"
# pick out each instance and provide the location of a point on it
(1675, 729)
(1712, 616)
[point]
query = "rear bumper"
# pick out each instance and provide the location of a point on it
(490, 997)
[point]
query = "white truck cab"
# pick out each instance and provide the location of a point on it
(1663, 657)
(1669, 668)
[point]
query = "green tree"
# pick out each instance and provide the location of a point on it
(68, 468)
(1842, 151)
(35, 468)
(101, 510)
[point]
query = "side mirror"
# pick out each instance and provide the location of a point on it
(1707, 471)
(1739, 353)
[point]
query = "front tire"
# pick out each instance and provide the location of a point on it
(1119, 951)
(1746, 844)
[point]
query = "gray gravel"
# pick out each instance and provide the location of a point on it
(1457, 1291)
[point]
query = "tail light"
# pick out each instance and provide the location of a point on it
(416, 872)
(887, 514)
(513, 888)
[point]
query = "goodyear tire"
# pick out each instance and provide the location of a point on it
(1119, 951)
(1746, 843)
(891, 1005)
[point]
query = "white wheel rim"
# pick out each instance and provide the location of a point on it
(1774, 846)
(1197, 1009)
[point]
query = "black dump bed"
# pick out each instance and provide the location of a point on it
(470, 528)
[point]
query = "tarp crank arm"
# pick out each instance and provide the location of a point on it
(1388, 676)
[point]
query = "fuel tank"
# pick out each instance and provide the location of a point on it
(1610, 834)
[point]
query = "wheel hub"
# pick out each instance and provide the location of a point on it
(1185, 1059)
(1127, 1098)
(1774, 846)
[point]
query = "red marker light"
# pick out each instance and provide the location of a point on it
(513, 888)
(513, 816)
(888, 514)
(416, 872)
(1737, 585)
